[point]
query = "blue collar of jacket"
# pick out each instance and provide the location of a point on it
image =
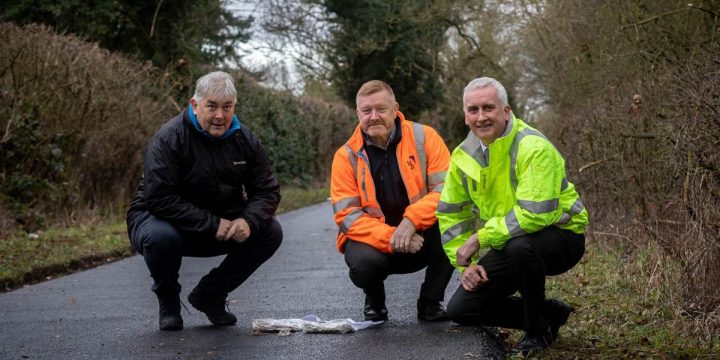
(234, 127)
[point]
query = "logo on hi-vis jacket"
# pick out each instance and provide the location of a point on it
(411, 162)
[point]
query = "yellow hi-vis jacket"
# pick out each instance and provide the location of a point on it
(423, 160)
(522, 188)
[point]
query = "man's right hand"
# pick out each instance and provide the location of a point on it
(465, 253)
(223, 229)
(473, 277)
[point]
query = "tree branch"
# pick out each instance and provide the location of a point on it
(157, 10)
(656, 17)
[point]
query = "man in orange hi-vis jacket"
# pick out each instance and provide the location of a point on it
(385, 186)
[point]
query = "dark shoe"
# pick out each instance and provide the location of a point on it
(431, 311)
(170, 318)
(213, 307)
(532, 344)
(558, 313)
(375, 312)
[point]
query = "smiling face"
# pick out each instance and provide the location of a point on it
(485, 115)
(214, 114)
(376, 113)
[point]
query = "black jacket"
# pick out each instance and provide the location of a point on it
(192, 180)
(390, 188)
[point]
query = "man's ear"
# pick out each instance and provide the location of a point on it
(397, 106)
(194, 105)
(506, 111)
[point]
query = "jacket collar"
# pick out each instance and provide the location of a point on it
(357, 139)
(234, 126)
(395, 136)
(472, 145)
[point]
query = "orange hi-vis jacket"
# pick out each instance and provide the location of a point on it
(423, 160)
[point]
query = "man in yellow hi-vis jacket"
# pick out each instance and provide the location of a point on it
(385, 186)
(506, 191)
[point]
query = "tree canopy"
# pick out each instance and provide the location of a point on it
(176, 34)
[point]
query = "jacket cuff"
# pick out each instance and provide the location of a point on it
(254, 226)
(214, 224)
(482, 236)
(388, 235)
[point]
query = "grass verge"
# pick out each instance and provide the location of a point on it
(624, 310)
(30, 258)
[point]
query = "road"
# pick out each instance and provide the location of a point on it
(110, 313)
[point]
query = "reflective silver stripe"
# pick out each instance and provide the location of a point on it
(512, 224)
(577, 207)
(419, 135)
(564, 184)
(346, 203)
(350, 219)
(415, 198)
(514, 150)
(447, 208)
(564, 219)
(455, 231)
(471, 145)
(465, 185)
(438, 188)
(373, 211)
(364, 189)
(539, 207)
(479, 224)
(436, 178)
(353, 158)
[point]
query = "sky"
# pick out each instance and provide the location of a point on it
(282, 71)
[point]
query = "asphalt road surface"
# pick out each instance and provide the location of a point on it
(110, 313)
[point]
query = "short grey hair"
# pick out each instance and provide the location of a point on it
(484, 82)
(215, 84)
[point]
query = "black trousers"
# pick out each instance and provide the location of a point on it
(370, 267)
(163, 246)
(520, 266)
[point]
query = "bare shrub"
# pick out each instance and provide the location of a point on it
(634, 89)
(301, 134)
(74, 120)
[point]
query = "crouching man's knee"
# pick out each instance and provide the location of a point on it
(367, 266)
(158, 237)
(269, 239)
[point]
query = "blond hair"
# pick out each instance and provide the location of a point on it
(372, 87)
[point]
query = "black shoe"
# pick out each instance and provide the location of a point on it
(375, 312)
(213, 307)
(170, 318)
(532, 344)
(431, 311)
(558, 313)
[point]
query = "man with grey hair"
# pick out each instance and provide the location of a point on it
(507, 192)
(207, 190)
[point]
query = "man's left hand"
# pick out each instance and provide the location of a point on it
(400, 240)
(239, 230)
(474, 277)
(465, 253)
(416, 243)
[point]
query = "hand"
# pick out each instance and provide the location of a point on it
(400, 239)
(223, 229)
(416, 243)
(239, 230)
(474, 277)
(465, 253)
